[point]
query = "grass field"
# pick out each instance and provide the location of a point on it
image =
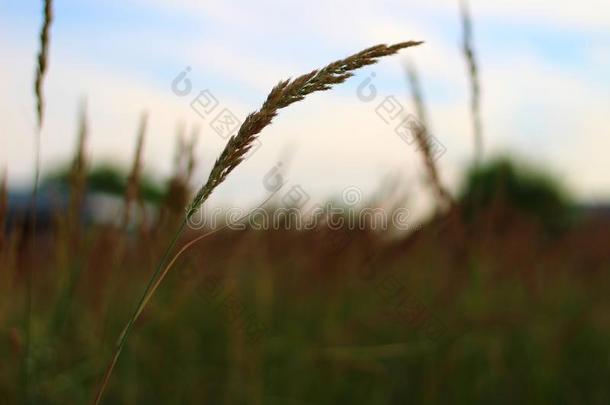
(499, 296)
(495, 312)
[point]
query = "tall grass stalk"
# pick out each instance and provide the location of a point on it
(475, 87)
(43, 60)
(41, 69)
(131, 195)
(282, 95)
(191, 160)
(78, 171)
(133, 182)
(184, 159)
(422, 137)
(3, 208)
(73, 240)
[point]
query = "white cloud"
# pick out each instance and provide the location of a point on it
(589, 14)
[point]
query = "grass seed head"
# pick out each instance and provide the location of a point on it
(282, 95)
(43, 59)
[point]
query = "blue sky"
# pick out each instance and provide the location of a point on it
(543, 64)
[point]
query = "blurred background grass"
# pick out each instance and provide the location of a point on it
(508, 305)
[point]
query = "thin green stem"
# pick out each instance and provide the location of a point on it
(136, 312)
(28, 272)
